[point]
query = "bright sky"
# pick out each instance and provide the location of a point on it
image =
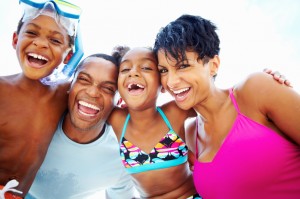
(254, 34)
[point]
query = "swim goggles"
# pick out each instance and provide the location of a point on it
(65, 13)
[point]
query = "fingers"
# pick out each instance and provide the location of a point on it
(281, 79)
(267, 70)
(191, 160)
(288, 83)
(119, 101)
(278, 77)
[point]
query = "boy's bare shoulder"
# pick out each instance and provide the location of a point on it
(6, 79)
(63, 88)
(8, 82)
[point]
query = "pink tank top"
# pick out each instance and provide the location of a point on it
(254, 162)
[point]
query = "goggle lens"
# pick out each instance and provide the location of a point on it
(63, 12)
(68, 9)
(63, 8)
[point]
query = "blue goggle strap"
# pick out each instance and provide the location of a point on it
(71, 66)
(59, 11)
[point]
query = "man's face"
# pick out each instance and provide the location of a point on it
(91, 97)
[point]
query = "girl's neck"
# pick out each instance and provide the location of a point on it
(144, 117)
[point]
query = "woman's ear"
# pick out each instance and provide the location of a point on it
(162, 90)
(68, 57)
(214, 67)
(15, 40)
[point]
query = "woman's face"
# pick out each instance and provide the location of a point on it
(189, 81)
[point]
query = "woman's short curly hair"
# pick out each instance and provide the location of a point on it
(188, 33)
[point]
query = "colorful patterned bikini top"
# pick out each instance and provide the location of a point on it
(170, 151)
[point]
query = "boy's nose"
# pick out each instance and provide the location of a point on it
(40, 42)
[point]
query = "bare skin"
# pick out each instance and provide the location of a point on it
(259, 108)
(30, 111)
(272, 103)
(146, 127)
(258, 97)
(172, 182)
(22, 151)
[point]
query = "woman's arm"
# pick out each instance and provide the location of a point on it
(279, 103)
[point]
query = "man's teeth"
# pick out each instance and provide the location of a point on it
(89, 105)
(180, 91)
(37, 56)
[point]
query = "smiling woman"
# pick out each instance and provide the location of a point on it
(241, 127)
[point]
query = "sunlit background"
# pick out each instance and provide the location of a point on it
(254, 34)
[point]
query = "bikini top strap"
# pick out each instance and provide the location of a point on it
(164, 118)
(197, 120)
(124, 127)
(233, 100)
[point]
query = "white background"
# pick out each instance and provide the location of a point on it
(254, 34)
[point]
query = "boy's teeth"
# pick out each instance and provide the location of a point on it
(37, 56)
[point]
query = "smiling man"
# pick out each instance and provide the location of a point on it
(83, 157)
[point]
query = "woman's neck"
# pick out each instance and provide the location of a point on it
(213, 105)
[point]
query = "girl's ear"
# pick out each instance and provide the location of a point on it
(68, 57)
(15, 40)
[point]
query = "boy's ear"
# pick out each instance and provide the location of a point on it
(68, 57)
(15, 40)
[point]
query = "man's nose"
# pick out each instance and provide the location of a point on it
(93, 91)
